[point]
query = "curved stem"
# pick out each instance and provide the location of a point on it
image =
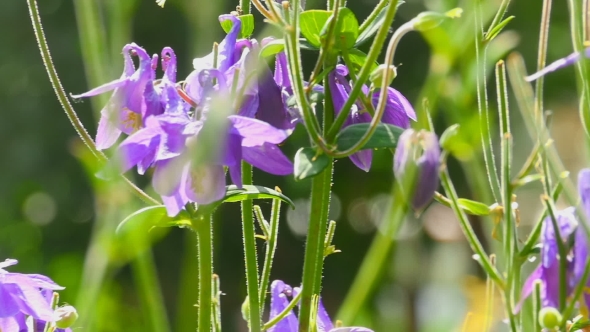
(271, 246)
(283, 313)
(365, 71)
(201, 224)
(248, 233)
(482, 257)
(65, 103)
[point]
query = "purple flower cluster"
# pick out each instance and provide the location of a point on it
(164, 119)
(280, 294)
(23, 295)
(398, 110)
(548, 270)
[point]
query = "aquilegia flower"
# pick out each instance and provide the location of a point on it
(580, 250)
(127, 106)
(24, 294)
(280, 294)
(548, 270)
(558, 64)
(420, 150)
(398, 111)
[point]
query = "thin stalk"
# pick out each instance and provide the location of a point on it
(245, 6)
(369, 20)
(489, 300)
(271, 246)
(542, 57)
(314, 245)
(537, 305)
(499, 15)
(283, 313)
(582, 66)
(483, 109)
(202, 225)
(372, 266)
(482, 258)
(64, 101)
(146, 275)
(216, 312)
(250, 259)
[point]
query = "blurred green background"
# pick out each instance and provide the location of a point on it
(58, 219)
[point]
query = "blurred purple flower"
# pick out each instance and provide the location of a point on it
(422, 150)
(580, 250)
(23, 294)
(558, 64)
(127, 105)
(548, 270)
(280, 294)
(398, 111)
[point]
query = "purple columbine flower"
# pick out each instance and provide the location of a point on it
(548, 270)
(279, 301)
(23, 294)
(558, 64)
(127, 105)
(422, 151)
(398, 111)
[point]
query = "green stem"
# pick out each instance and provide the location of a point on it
(373, 16)
(582, 66)
(65, 103)
(577, 293)
(499, 15)
(314, 246)
(482, 257)
(482, 102)
(248, 233)
(149, 290)
(202, 224)
(537, 305)
(562, 250)
(371, 268)
(245, 5)
(271, 246)
(216, 312)
(283, 313)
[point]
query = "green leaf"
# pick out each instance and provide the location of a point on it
(358, 59)
(247, 25)
(272, 48)
(235, 194)
(309, 163)
(312, 22)
(497, 29)
(152, 216)
(385, 136)
(473, 207)
(347, 29)
(371, 30)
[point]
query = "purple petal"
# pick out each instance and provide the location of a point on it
(8, 262)
(30, 300)
(205, 184)
(281, 75)
(10, 306)
(271, 108)
(233, 158)
(323, 320)
(227, 46)
(528, 287)
(278, 303)
(104, 88)
(174, 202)
(107, 133)
(268, 158)
(16, 323)
(139, 146)
(256, 132)
(351, 329)
(362, 159)
(558, 64)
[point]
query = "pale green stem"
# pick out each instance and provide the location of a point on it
(202, 225)
(216, 312)
(499, 15)
(582, 66)
(371, 18)
(271, 246)
(283, 313)
(250, 259)
(145, 272)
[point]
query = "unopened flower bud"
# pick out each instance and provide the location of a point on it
(246, 309)
(549, 318)
(419, 152)
(65, 316)
(429, 20)
(377, 75)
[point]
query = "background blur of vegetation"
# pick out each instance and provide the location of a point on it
(51, 209)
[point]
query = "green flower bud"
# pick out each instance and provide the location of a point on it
(246, 309)
(429, 20)
(376, 76)
(65, 316)
(549, 318)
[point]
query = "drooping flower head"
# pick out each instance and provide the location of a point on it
(548, 270)
(127, 106)
(24, 294)
(398, 111)
(558, 64)
(419, 150)
(280, 294)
